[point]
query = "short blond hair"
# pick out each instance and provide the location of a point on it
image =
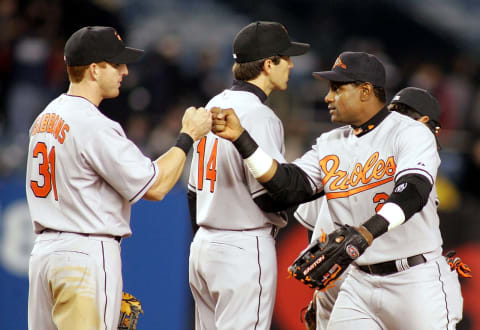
(76, 73)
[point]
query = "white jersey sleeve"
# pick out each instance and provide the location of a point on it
(119, 162)
(324, 222)
(315, 216)
(307, 213)
(417, 153)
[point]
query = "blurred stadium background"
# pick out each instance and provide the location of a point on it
(432, 44)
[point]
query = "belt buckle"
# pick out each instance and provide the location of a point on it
(402, 264)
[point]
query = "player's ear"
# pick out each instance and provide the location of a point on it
(267, 65)
(366, 91)
(93, 71)
(424, 119)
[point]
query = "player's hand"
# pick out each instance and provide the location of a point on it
(196, 122)
(226, 124)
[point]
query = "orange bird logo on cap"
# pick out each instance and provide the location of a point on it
(338, 62)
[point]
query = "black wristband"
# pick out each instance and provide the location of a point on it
(376, 225)
(245, 144)
(184, 142)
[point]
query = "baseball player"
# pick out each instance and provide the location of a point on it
(377, 173)
(83, 174)
(233, 267)
(414, 102)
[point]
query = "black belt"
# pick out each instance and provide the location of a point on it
(117, 238)
(394, 266)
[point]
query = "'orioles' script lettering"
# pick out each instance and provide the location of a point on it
(53, 124)
(362, 174)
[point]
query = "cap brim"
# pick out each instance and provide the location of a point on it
(126, 56)
(332, 76)
(295, 49)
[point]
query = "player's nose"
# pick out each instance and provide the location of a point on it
(124, 70)
(329, 97)
(290, 63)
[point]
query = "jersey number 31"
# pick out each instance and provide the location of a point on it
(46, 169)
(211, 165)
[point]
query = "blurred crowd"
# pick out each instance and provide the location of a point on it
(184, 67)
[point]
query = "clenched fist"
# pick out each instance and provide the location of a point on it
(226, 123)
(196, 122)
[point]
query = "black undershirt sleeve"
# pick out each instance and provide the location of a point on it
(267, 203)
(411, 193)
(290, 185)
(192, 207)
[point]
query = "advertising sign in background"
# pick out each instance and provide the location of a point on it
(154, 259)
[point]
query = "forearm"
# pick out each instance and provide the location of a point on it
(170, 167)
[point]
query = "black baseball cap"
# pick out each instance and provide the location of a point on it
(262, 39)
(355, 66)
(420, 100)
(93, 44)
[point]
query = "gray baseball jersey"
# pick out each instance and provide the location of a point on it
(315, 216)
(307, 213)
(358, 174)
(234, 251)
(224, 187)
(83, 174)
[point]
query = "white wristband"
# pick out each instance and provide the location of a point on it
(259, 163)
(393, 214)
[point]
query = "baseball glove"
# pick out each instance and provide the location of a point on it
(129, 312)
(457, 264)
(327, 257)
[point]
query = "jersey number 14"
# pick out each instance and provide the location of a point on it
(211, 171)
(46, 169)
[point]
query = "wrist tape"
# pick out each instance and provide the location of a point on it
(184, 142)
(259, 163)
(245, 145)
(256, 160)
(393, 214)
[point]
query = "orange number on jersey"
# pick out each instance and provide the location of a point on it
(380, 198)
(201, 156)
(211, 165)
(45, 169)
